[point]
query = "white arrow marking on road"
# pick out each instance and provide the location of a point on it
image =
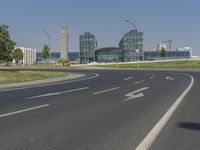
(169, 78)
(152, 77)
(136, 94)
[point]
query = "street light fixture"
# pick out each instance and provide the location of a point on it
(49, 40)
(133, 24)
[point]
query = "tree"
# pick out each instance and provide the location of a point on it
(18, 55)
(63, 61)
(163, 52)
(6, 44)
(45, 52)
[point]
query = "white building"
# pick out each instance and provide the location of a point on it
(160, 46)
(189, 49)
(29, 55)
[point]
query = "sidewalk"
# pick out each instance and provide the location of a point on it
(37, 82)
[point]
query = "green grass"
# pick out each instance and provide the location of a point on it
(181, 64)
(21, 76)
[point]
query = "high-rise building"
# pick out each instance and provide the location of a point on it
(88, 45)
(132, 46)
(64, 42)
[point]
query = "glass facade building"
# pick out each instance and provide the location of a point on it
(88, 45)
(108, 55)
(132, 46)
(155, 55)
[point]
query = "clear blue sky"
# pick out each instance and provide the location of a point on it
(158, 19)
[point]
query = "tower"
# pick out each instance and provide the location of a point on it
(64, 42)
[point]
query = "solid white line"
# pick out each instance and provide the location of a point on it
(24, 110)
(152, 135)
(139, 82)
(152, 77)
(104, 91)
(129, 78)
(57, 93)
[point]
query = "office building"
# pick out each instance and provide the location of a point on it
(132, 46)
(64, 42)
(109, 55)
(29, 55)
(88, 45)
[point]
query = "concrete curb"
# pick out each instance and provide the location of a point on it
(44, 81)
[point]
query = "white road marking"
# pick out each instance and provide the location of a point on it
(136, 94)
(129, 78)
(152, 77)
(169, 78)
(139, 82)
(152, 135)
(57, 93)
(104, 91)
(24, 110)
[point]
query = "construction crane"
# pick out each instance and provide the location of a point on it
(168, 42)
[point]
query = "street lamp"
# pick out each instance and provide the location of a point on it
(133, 24)
(138, 54)
(46, 32)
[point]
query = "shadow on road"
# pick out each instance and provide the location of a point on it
(190, 125)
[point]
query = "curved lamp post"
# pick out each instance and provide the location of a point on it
(46, 32)
(133, 24)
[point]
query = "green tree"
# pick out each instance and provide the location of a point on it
(63, 61)
(163, 52)
(45, 52)
(6, 44)
(18, 55)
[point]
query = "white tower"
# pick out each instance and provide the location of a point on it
(64, 43)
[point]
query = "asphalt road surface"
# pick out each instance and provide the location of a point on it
(105, 110)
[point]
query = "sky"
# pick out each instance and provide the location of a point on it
(159, 20)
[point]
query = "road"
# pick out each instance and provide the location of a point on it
(105, 110)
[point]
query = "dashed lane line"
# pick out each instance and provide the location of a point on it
(107, 90)
(24, 110)
(58, 93)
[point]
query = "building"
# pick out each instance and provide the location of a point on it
(155, 55)
(29, 55)
(160, 46)
(132, 46)
(55, 56)
(64, 42)
(88, 45)
(108, 55)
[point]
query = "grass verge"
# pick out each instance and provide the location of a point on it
(21, 76)
(181, 64)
